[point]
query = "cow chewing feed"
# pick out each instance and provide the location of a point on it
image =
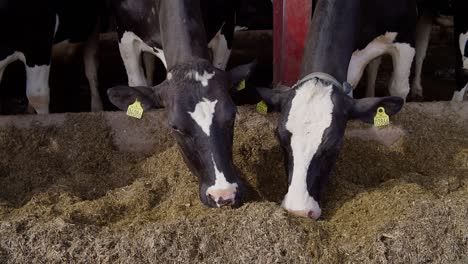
(196, 96)
(315, 111)
(30, 29)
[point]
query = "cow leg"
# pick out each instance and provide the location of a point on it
(423, 34)
(37, 88)
(372, 71)
(3, 64)
(459, 96)
(149, 62)
(148, 59)
(91, 64)
(37, 83)
(14, 56)
(462, 74)
(220, 49)
(376, 48)
(130, 50)
(402, 56)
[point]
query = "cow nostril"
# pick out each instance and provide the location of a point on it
(311, 215)
(211, 198)
(222, 202)
(222, 197)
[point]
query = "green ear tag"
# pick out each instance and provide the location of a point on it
(135, 110)
(262, 107)
(241, 86)
(381, 119)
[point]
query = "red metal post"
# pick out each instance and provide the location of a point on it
(290, 25)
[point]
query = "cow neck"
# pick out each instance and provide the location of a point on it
(331, 38)
(182, 31)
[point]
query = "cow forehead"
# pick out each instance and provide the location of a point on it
(311, 112)
(310, 115)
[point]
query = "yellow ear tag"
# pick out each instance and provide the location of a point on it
(262, 107)
(135, 110)
(381, 119)
(241, 86)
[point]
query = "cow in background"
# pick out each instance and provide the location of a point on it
(30, 29)
(430, 12)
(138, 35)
(221, 19)
(387, 27)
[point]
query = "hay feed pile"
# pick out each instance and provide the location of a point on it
(104, 188)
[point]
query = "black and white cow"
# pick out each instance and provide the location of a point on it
(314, 113)
(387, 27)
(138, 36)
(430, 13)
(461, 34)
(29, 29)
(195, 93)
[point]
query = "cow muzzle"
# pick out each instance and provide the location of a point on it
(313, 214)
(222, 197)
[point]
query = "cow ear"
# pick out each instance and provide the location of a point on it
(123, 96)
(365, 109)
(241, 72)
(149, 97)
(275, 97)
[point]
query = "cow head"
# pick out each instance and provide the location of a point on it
(311, 129)
(201, 115)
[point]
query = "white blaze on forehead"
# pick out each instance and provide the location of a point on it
(310, 115)
(463, 41)
(204, 78)
(203, 114)
(222, 188)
